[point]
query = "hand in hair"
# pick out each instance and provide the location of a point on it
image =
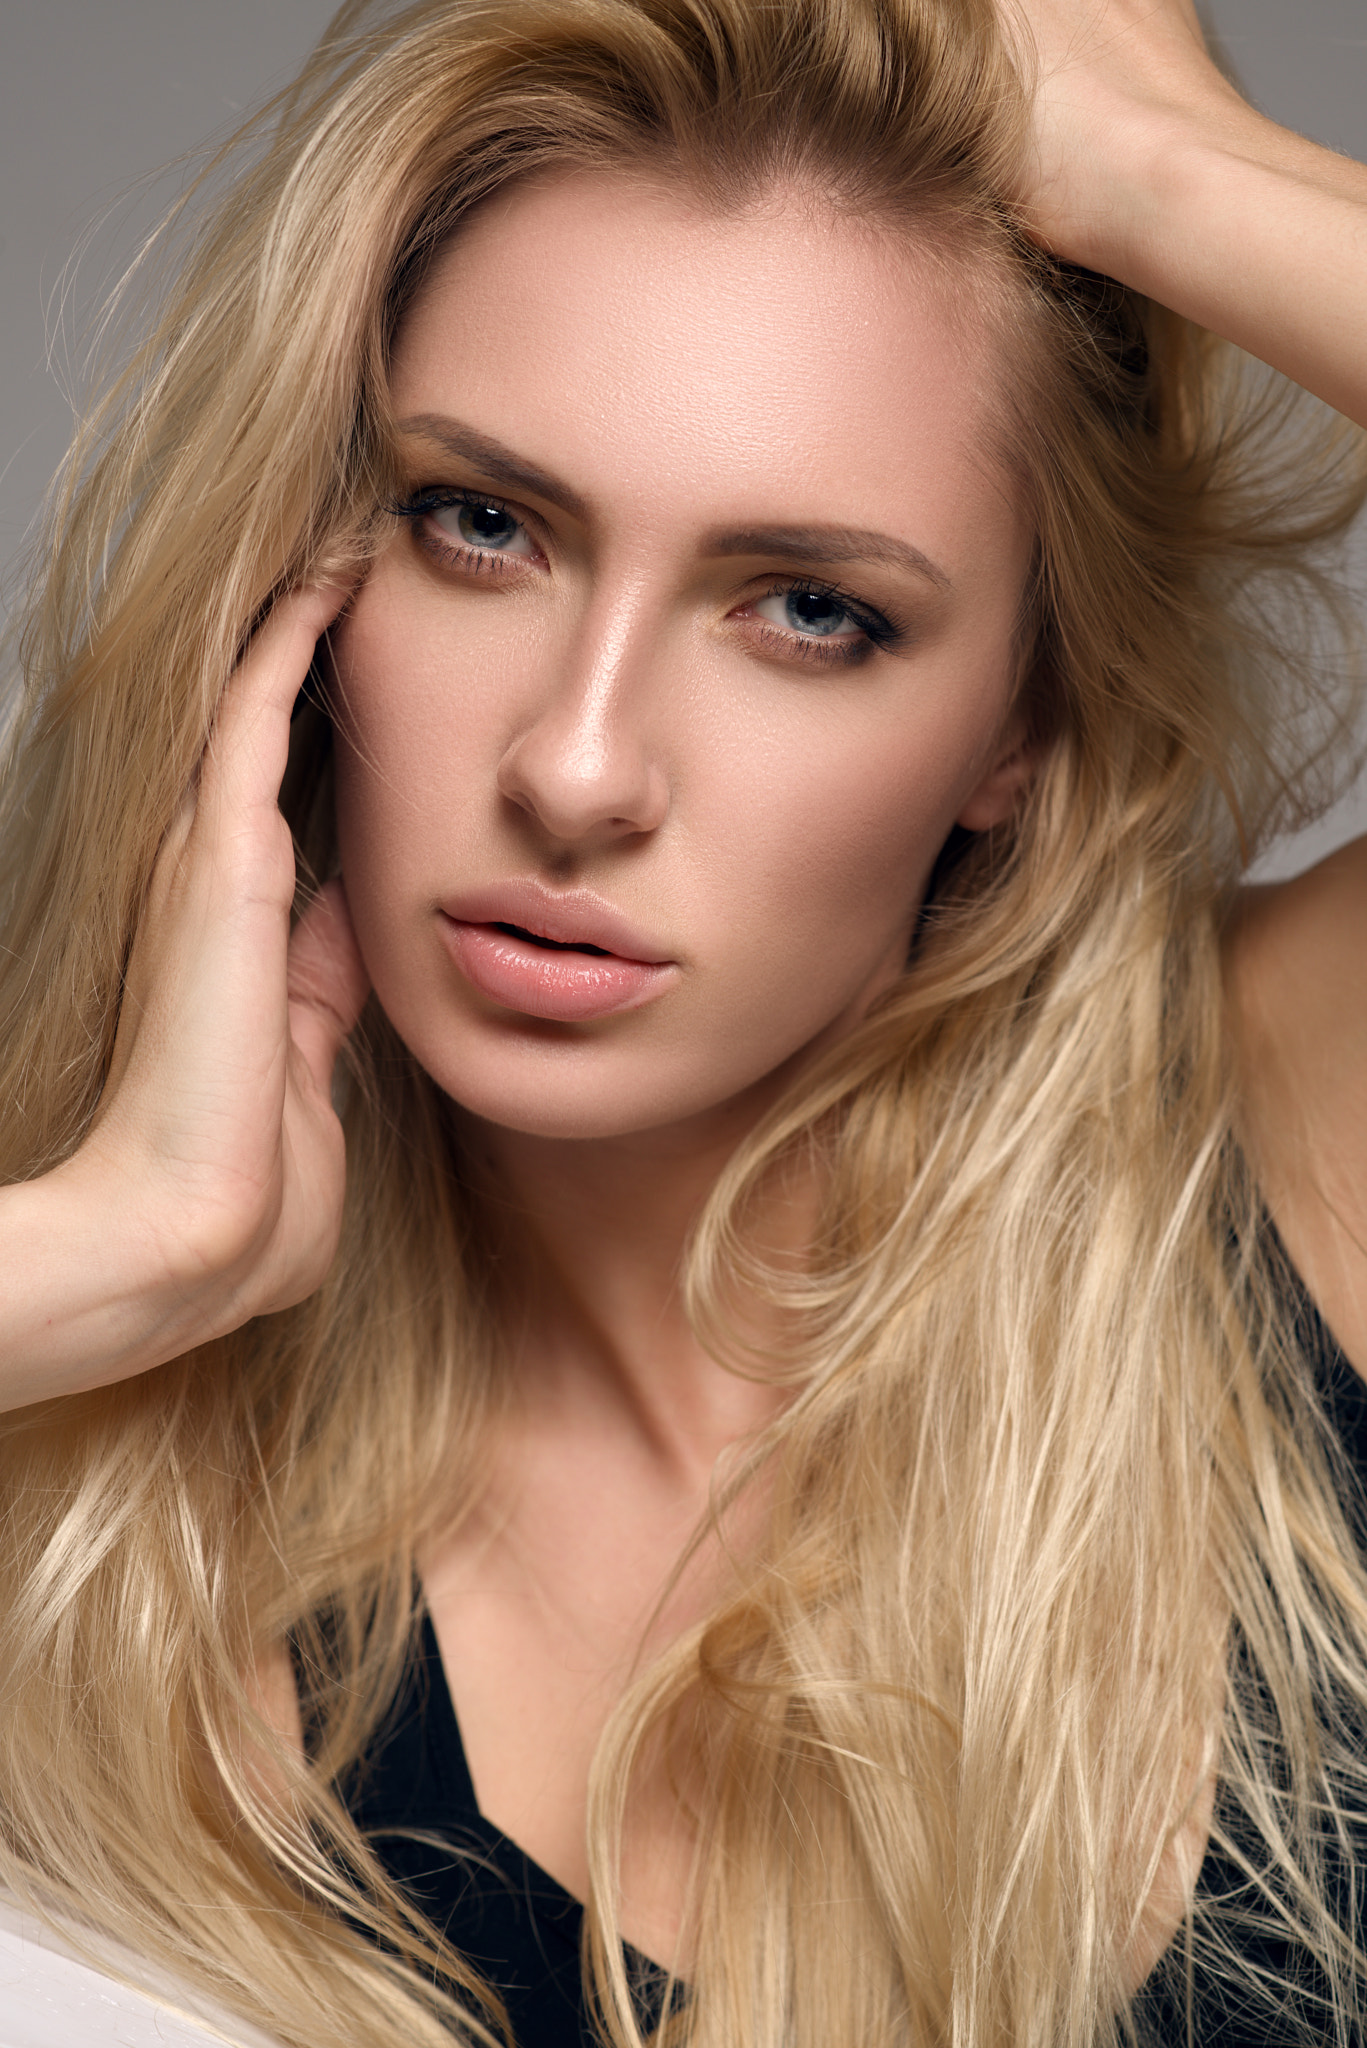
(210, 1187)
(1147, 164)
(1108, 74)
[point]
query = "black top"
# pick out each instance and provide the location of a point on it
(521, 1929)
(1296, 2008)
(518, 1927)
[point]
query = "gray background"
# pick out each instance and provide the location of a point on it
(99, 97)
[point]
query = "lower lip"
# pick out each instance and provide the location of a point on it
(570, 987)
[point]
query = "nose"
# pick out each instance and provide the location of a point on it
(584, 767)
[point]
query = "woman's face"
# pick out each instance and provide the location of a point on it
(695, 642)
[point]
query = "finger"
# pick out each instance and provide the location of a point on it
(245, 758)
(166, 873)
(171, 853)
(328, 983)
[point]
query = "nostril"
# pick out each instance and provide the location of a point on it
(615, 795)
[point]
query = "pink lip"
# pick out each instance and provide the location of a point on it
(624, 970)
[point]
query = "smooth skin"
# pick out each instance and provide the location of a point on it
(210, 1186)
(620, 707)
(1149, 166)
(612, 700)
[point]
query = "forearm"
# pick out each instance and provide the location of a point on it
(1259, 236)
(84, 1297)
(210, 1188)
(1146, 164)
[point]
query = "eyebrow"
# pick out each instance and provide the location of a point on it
(828, 544)
(493, 459)
(820, 544)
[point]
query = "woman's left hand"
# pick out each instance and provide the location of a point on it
(1144, 162)
(1116, 81)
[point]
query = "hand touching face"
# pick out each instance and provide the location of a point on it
(694, 640)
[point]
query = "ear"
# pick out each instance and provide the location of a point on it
(993, 800)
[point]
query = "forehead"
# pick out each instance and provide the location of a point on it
(628, 336)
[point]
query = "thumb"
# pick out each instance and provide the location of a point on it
(327, 982)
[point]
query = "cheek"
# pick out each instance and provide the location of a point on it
(839, 836)
(395, 715)
(416, 752)
(400, 808)
(805, 817)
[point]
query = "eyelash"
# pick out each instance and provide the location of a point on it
(459, 555)
(876, 631)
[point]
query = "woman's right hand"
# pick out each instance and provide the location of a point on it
(209, 1189)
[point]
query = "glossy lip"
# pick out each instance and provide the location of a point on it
(577, 917)
(625, 970)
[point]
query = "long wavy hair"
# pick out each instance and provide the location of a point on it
(1055, 1519)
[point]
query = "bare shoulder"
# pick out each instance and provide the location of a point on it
(1290, 941)
(1296, 980)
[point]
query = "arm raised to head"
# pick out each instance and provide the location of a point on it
(210, 1186)
(1146, 163)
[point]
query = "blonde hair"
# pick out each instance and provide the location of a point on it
(1051, 1450)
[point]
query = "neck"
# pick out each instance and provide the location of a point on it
(604, 1225)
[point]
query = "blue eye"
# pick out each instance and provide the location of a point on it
(819, 620)
(482, 523)
(467, 527)
(819, 614)
(816, 622)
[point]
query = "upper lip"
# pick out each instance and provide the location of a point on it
(573, 917)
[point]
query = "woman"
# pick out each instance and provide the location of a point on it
(788, 662)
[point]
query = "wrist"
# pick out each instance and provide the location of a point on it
(1144, 202)
(89, 1295)
(1177, 190)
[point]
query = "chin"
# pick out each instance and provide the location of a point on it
(546, 1086)
(537, 1090)
(567, 1115)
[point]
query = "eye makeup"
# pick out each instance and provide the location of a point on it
(477, 533)
(483, 533)
(811, 611)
